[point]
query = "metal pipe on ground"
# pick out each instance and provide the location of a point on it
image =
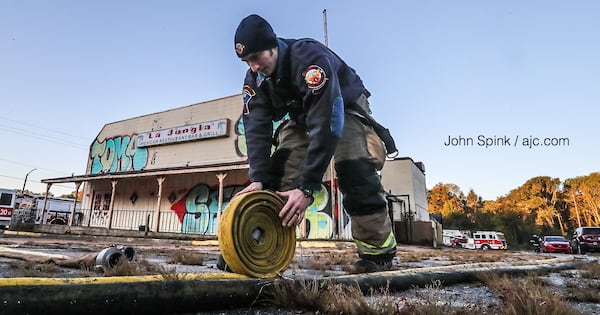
(110, 256)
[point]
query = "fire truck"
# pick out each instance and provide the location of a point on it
(486, 240)
(455, 238)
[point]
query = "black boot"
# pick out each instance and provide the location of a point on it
(222, 265)
(369, 263)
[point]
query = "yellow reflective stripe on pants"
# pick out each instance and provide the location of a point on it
(389, 246)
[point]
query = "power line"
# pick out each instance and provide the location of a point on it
(41, 168)
(48, 129)
(33, 180)
(41, 137)
(11, 177)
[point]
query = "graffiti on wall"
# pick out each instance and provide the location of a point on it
(240, 141)
(197, 211)
(120, 153)
(117, 154)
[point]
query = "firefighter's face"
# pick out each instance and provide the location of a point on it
(263, 61)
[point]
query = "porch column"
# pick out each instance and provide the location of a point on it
(220, 177)
(42, 221)
(156, 222)
(77, 185)
(112, 202)
(332, 195)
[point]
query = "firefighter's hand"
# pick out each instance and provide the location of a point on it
(252, 187)
(295, 206)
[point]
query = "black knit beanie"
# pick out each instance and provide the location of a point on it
(252, 35)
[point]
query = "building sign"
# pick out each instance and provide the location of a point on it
(204, 130)
(6, 212)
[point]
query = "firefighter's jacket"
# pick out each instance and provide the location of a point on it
(314, 86)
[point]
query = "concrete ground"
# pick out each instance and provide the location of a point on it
(312, 258)
(24, 254)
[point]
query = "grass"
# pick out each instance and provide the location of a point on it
(590, 271)
(140, 267)
(33, 269)
(327, 260)
(334, 298)
(325, 297)
(587, 295)
(586, 287)
(527, 296)
(186, 258)
(531, 294)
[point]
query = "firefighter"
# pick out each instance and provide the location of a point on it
(326, 113)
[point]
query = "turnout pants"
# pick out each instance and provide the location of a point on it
(358, 157)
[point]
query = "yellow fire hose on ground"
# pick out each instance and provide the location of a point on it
(205, 292)
(252, 239)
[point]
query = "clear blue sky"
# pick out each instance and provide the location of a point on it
(435, 68)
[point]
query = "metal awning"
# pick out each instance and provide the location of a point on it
(147, 173)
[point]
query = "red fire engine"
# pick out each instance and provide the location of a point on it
(486, 240)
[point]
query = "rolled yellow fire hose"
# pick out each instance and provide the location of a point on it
(252, 239)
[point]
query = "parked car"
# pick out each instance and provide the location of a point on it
(585, 239)
(555, 244)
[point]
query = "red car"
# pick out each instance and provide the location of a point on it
(555, 244)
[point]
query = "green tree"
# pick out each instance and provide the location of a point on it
(582, 198)
(445, 200)
(541, 205)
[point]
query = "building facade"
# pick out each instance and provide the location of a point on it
(176, 170)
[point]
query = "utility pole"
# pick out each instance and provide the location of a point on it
(332, 175)
(325, 26)
(25, 181)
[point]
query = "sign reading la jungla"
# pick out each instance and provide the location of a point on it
(204, 130)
